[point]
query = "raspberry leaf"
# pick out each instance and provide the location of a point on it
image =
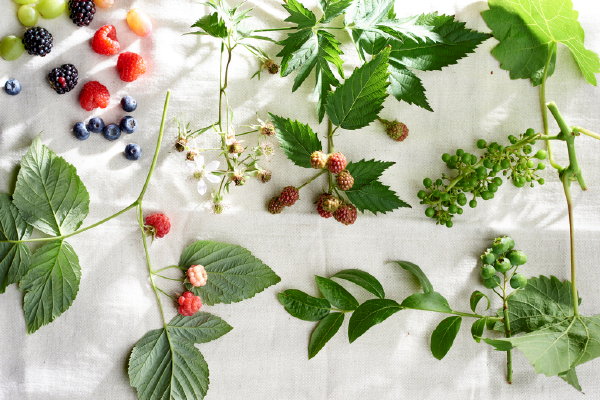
(362, 279)
(443, 336)
(336, 294)
(49, 194)
(418, 273)
(201, 327)
(303, 306)
(324, 331)
(528, 32)
(164, 366)
(14, 257)
(375, 197)
(297, 140)
(50, 284)
(357, 102)
(234, 274)
(366, 171)
(370, 313)
(212, 25)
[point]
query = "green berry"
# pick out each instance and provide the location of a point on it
(473, 203)
(502, 264)
(492, 188)
(492, 282)
(502, 244)
(27, 15)
(488, 257)
(453, 209)
(445, 157)
(512, 139)
(449, 224)
(422, 194)
(481, 144)
(488, 163)
(541, 181)
(541, 166)
(497, 181)
(518, 281)
(51, 8)
(527, 149)
(517, 257)
(541, 154)
(519, 181)
(461, 199)
(505, 163)
(487, 271)
(430, 212)
(460, 152)
(530, 164)
(427, 182)
(529, 132)
(11, 47)
(487, 195)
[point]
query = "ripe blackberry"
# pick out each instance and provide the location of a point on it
(81, 12)
(37, 41)
(63, 79)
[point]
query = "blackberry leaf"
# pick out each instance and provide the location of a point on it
(297, 140)
(375, 197)
(366, 171)
(299, 14)
(406, 86)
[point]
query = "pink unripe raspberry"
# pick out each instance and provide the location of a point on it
(197, 275)
(158, 225)
(336, 163)
(189, 304)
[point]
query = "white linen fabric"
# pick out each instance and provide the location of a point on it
(83, 354)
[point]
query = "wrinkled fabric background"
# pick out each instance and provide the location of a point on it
(83, 354)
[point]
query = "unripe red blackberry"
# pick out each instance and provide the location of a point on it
(322, 212)
(336, 163)
(395, 130)
(330, 203)
(318, 160)
(275, 206)
(289, 195)
(346, 214)
(344, 180)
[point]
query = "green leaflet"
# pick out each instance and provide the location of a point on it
(362, 279)
(336, 294)
(477, 329)
(528, 30)
(303, 306)
(50, 284)
(14, 257)
(443, 336)
(163, 366)
(418, 273)
(571, 378)
(201, 327)
(432, 301)
(234, 274)
(406, 86)
(323, 332)
(476, 297)
(333, 8)
(211, 24)
(357, 102)
(299, 15)
(49, 194)
(375, 197)
(366, 171)
(297, 140)
(370, 313)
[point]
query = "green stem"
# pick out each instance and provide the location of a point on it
(167, 278)
(575, 296)
(586, 132)
(507, 332)
(551, 51)
(330, 149)
(165, 268)
(312, 179)
(453, 312)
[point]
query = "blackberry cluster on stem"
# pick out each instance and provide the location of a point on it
(481, 177)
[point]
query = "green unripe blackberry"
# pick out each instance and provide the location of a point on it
(492, 282)
(502, 244)
(517, 257)
(487, 271)
(502, 265)
(518, 281)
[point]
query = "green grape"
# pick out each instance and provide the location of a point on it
(51, 8)
(481, 144)
(427, 182)
(11, 48)
(430, 212)
(27, 15)
(25, 1)
(473, 203)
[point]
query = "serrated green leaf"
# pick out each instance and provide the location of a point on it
(571, 378)
(367, 13)
(528, 30)
(328, 55)
(432, 301)
(418, 273)
(14, 257)
(366, 171)
(49, 194)
(362, 279)
(357, 102)
(213, 25)
(370, 313)
(297, 140)
(336, 294)
(234, 274)
(375, 197)
(406, 86)
(299, 14)
(324, 331)
(443, 336)
(167, 367)
(333, 8)
(477, 329)
(476, 297)
(455, 42)
(303, 306)
(50, 284)
(201, 327)
(299, 54)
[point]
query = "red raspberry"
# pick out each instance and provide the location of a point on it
(94, 95)
(346, 214)
(275, 206)
(189, 304)
(336, 163)
(344, 180)
(289, 195)
(130, 66)
(197, 275)
(105, 41)
(158, 224)
(318, 160)
(322, 212)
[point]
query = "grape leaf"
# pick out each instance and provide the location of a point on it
(571, 378)
(164, 366)
(211, 24)
(303, 306)
(50, 284)
(14, 257)
(362, 279)
(297, 140)
(324, 331)
(299, 15)
(418, 273)
(357, 102)
(375, 197)
(443, 336)
(234, 274)
(432, 301)
(528, 31)
(49, 194)
(366, 171)
(201, 327)
(370, 313)
(336, 294)
(476, 297)
(333, 8)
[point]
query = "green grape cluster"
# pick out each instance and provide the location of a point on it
(500, 260)
(480, 177)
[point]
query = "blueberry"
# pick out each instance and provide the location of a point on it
(80, 131)
(12, 87)
(95, 125)
(112, 132)
(128, 103)
(128, 124)
(132, 152)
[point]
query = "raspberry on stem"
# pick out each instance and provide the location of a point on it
(189, 304)
(197, 275)
(158, 225)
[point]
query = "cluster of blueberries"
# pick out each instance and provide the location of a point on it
(128, 124)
